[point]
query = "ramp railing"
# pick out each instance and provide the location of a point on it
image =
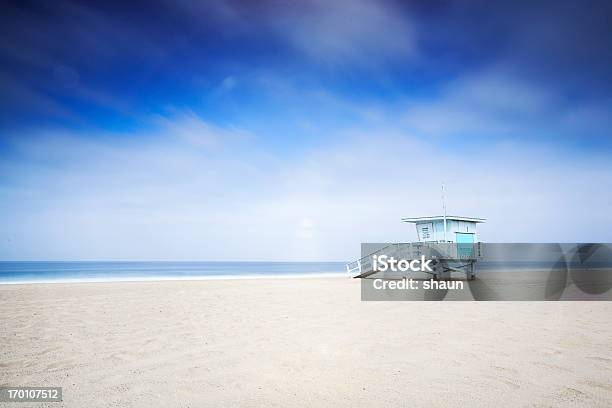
(441, 251)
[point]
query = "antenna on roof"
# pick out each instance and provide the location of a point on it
(444, 210)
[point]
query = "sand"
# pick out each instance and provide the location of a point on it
(298, 342)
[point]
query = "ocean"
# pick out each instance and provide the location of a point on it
(86, 271)
(97, 271)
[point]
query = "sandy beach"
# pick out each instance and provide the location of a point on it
(298, 342)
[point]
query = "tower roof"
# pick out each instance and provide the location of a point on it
(418, 220)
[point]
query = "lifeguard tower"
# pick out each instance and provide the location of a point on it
(461, 230)
(450, 241)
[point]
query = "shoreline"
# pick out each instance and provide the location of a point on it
(180, 279)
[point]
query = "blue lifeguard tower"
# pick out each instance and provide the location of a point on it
(443, 228)
(451, 241)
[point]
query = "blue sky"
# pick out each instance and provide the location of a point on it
(275, 130)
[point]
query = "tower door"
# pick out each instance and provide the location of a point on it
(464, 238)
(465, 245)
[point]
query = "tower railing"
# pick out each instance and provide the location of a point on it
(438, 251)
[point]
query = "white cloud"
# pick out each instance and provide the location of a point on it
(490, 101)
(159, 197)
(228, 83)
(191, 129)
(347, 32)
(494, 105)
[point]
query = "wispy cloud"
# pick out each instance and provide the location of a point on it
(161, 198)
(191, 129)
(495, 105)
(342, 33)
